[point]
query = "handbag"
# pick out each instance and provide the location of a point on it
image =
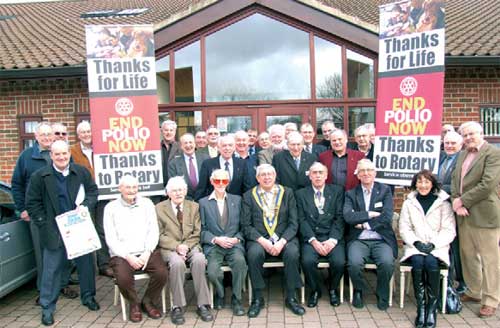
(453, 303)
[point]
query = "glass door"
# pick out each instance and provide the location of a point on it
(230, 120)
(282, 115)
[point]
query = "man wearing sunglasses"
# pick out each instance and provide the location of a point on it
(60, 131)
(222, 240)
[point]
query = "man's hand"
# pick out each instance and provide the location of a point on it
(182, 250)
(462, 211)
(457, 203)
(278, 247)
(144, 258)
(266, 244)
(135, 262)
(223, 242)
(329, 245)
(318, 247)
(25, 216)
(373, 214)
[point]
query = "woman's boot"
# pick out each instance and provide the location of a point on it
(419, 291)
(432, 287)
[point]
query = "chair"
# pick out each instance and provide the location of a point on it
(138, 275)
(405, 267)
(273, 264)
(322, 264)
(372, 266)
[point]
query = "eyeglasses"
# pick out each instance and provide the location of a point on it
(60, 133)
(221, 181)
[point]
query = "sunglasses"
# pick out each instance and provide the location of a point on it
(221, 181)
(60, 133)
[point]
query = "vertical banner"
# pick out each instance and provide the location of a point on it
(410, 89)
(123, 107)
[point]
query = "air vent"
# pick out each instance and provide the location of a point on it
(114, 12)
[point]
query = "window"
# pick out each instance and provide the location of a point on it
(334, 114)
(359, 75)
(163, 79)
(27, 127)
(490, 119)
(328, 68)
(188, 122)
(359, 116)
(188, 74)
(258, 58)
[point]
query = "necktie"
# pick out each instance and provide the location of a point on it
(308, 149)
(192, 173)
(226, 167)
(318, 195)
(444, 168)
(179, 214)
(297, 163)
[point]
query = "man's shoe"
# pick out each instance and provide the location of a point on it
(487, 311)
(204, 313)
(37, 301)
(135, 314)
(334, 298)
(255, 307)
(92, 304)
(294, 306)
(107, 272)
(382, 305)
(151, 310)
(461, 288)
(69, 293)
(176, 316)
(237, 307)
(312, 301)
(357, 299)
(218, 302)
(467, 298)
(47, 319)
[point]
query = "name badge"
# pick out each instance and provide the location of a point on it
(378, 205)
(274, 238)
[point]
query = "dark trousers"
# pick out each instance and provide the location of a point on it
(102, 254)
(54, 264)
(124, 275)
(256, 256)
(455, 262)
(235, 258)
(310, 259)
(359, 252)
(424, 262)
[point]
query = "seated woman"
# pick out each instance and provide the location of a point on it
(427, 227)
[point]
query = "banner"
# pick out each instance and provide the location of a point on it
(410, 90)
(124, 107)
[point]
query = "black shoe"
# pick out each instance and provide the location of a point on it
(294, 306)
(92, 304)
(237, 307)
(461, 288)
(418, 278)
(357, 299)
(204, 313)
(334, 298)
(177, 317)
(218, 302)
(312, 301)
(47, 319)
(69, 293)
(382, 305)
(255, 307)
(37, 301)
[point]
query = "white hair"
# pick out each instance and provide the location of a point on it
(471, 124)
(59, 144)
(169, 122)
(294, 135)
(364, 163)
(83, 125)
(276, 129)
(176, 182)
(128, 179)
(452, 135)
(264, 167)
(219, 172)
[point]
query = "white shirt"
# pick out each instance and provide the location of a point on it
(368, 233)
(130, 229)
(64, 172)
(87, 152)
(220, 202)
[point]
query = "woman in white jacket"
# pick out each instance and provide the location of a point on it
(427, 227)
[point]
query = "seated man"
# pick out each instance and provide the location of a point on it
(319, 210)
(180, 226)
(131, 231)
(269, 224)
(368, 212)
(222, 240)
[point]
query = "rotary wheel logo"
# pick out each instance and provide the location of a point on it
(124, 106)
(408, 86)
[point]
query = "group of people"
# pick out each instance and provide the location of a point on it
(245, 198)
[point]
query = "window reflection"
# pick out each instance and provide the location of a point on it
(231, 124)
(359, 116)
(257, 58)
(328, 68)
(187, 122)
(188, 74)
(163, 80)
(360, 75)
(334, 114)
(282, 119)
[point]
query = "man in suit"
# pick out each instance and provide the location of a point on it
(200, 139)
(253, 147)
(269, 224)
(241, 144)
(476, 202)
(54, 190)
(211, 149)
(169, 147)
(180, 228)
(447, 162)
(222, 240)
(326, 128)
(277, 136)
(236, 167)
(307, 131)
(188, 164)
(341, 161)
(363, 143)
(264, 141)
(292, 164)
(368, 211)
(132, 236)
(319, 209)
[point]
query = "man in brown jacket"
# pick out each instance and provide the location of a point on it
(476, 202)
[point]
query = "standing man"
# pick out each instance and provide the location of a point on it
(132, 236)
(319, 209)
(368, 211)
(326, 128)
(241, 143)
(475, 200)
(180, 227)
(264, 141)
(363, 143)
(222, 240)
(341, 161)
(253, 147)
(169, 147)
(292, 164)
(53, 191)
(213, 135)
(200, 138)
(269, 224)
(60, 131)
(307, 131)
(188, 164)
(277, 135)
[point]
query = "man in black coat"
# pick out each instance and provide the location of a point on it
(368, 211)
(236, 167)
(319, 209)
(269, 224)
(54, 190)
(293, 163)
(307, 131)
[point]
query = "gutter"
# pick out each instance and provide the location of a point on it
(38, 73)
(472, 61)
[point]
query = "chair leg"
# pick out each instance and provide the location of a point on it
(117, 295)
(123, 302)
(444, 293)
(401, 289)
(211, 293)
(303, 289)
(164, 299)
(249, 290)
(342, 289)
(391, 289)
(351, 291)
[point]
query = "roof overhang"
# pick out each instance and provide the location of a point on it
(40, 73)
(472, 61)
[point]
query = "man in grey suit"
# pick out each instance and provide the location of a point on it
(188, 164)
(222, 240)
(277, 135)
